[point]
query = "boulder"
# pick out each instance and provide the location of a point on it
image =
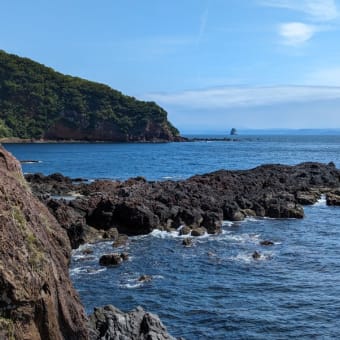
(121, 241)
(267, 243)
(307, 198)
(110, 259)
(333, 198)
(185, 230)
(145, 278)
(110, 323)
(187, 242)
(212, 221)
(198, 232)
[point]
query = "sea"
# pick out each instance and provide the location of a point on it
(214, 289)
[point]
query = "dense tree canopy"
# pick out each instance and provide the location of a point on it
(34, 97)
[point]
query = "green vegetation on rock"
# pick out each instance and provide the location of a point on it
(37, 102)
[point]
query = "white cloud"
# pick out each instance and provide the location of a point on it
(296, 33)
(238, 97)
(319, 10)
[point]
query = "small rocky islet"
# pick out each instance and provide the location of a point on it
(39, 229)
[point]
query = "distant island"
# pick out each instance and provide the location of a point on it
(38, 103)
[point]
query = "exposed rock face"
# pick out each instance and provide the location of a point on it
(110, 323)
(37, 298)
(199, 203)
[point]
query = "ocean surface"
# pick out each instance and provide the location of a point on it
(214, 289)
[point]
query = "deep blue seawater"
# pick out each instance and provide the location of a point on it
(215, 289)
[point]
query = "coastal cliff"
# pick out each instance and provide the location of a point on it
(40, 104)
(37, 298)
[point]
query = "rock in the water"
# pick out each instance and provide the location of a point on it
(111, 233)
(267, 243)
(333, 198)
(187, 242)
(198, 232)
(145, 278)
(37, 298)
(185, 230)
(256, 255)
(110, 323)
(122, 240)
(110, 259)
(87, 251)
(124, 256)
(307, 198)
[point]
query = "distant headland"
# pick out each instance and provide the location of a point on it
(39, 104)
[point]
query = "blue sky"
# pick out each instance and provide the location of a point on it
(212, 64)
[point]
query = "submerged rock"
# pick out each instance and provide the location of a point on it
(110, 323)
(145, 278)
(267, 243)
(187, 242)
(256, 255)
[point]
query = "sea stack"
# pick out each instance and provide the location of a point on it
(233, 132)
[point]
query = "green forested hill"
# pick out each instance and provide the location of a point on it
(37, 102)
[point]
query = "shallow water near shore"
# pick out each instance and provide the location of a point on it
(214, 289)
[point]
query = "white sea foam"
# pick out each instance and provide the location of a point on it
(248, 257)
(131, 286)
(86, 270)
(240, 238)
(321, 201)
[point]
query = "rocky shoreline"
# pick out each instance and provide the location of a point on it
(198, 205)
(43, 217)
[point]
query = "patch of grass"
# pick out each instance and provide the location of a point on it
(7, 328)
(19, 218)
(36, 256)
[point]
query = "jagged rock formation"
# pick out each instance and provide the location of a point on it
(38, 103)
(37, 299)
(200, 203)
(110, 323)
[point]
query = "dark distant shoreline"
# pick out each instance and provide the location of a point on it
(15, 140)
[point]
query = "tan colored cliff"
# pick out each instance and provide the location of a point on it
(37, 299)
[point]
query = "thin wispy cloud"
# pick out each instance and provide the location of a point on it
(296, 33)
(236, 97)
(318, 10)
(203, 23)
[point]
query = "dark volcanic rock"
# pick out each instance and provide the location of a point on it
(110, 259)
(110, 323)
(145, 278)
(256, 255)
(37, 298)
(187, 242)
(198, 231)
(267, 243)
(121, 240)
(137, 207)
(333, 198)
